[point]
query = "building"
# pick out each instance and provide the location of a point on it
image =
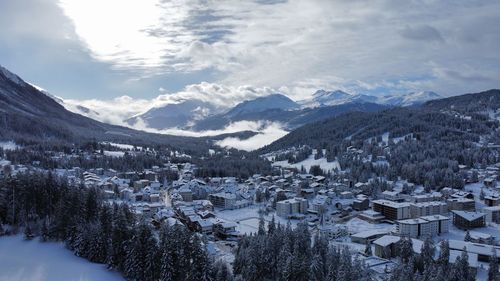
(428, 209)
(483, 251)
(468, 220)
(461, 204)
(333, 231)
(186, 194)
(414, 228)
(224, 200)
(387, 246)
(426, 226)
(492, 200)
(288, 207)
(492, 214)
(428, 197)
(392, 210)
(361, 203)
(438, 224)
(368, 236)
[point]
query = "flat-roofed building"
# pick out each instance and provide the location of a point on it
(288, 207)
(492, 214)
(428, 209)
(461, 204)
(224, 200)
(392, 210)
(426, 226)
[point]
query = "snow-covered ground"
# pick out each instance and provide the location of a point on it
(247, 219)
(22, 260)
(114, 153)
(356, 225)
(310, 161)
(8, 145)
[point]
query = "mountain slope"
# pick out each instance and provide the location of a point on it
(179, 115)
(465, 115)
(28, 115)
(275, 101)
(290, 119)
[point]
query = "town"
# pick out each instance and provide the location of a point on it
(348, 213)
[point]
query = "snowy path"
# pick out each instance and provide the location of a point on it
(22, 260)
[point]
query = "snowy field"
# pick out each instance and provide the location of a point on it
(8, 145)
(114, 153)
(356, 225)
(22, 260)
(247, 219)
(310, 161)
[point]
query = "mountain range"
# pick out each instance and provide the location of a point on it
(29, 115)
(199, 116)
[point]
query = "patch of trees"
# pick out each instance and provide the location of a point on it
(283, 253)
(46, 206)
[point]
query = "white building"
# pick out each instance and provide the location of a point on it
(426, 226)
(291, 206)
(223, 200)
(428, 209)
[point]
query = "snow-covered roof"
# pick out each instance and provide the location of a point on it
(369, 233)
(470, 216)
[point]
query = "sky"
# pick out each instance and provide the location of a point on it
(126, 56)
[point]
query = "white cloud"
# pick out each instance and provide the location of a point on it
(267, 135)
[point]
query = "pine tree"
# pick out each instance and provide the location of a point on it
(200, 266)
(467, 237)
(28, 232)
(493, 274)
(368, 249)
(221, 272)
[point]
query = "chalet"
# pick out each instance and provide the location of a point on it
(468, 220)
(492, 200)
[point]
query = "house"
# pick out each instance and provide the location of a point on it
(468, 220)
(319, 203)
(392, 210)
(481, 238)
(492, 200)
(484, 252)
(492, 214)
(387, 246)
(361, 203)
(333, 231)
(371, 216)
(367, 236)
(186, 193)
(288, 207)
(224, 229)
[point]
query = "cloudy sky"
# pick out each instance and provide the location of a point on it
(136, 53)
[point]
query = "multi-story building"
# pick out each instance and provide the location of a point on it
(224, 200)
(392, 210)
(461, 204)
(428, 209)
(492, 214)
(426, 226)
(288, 207)
(468, 220)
